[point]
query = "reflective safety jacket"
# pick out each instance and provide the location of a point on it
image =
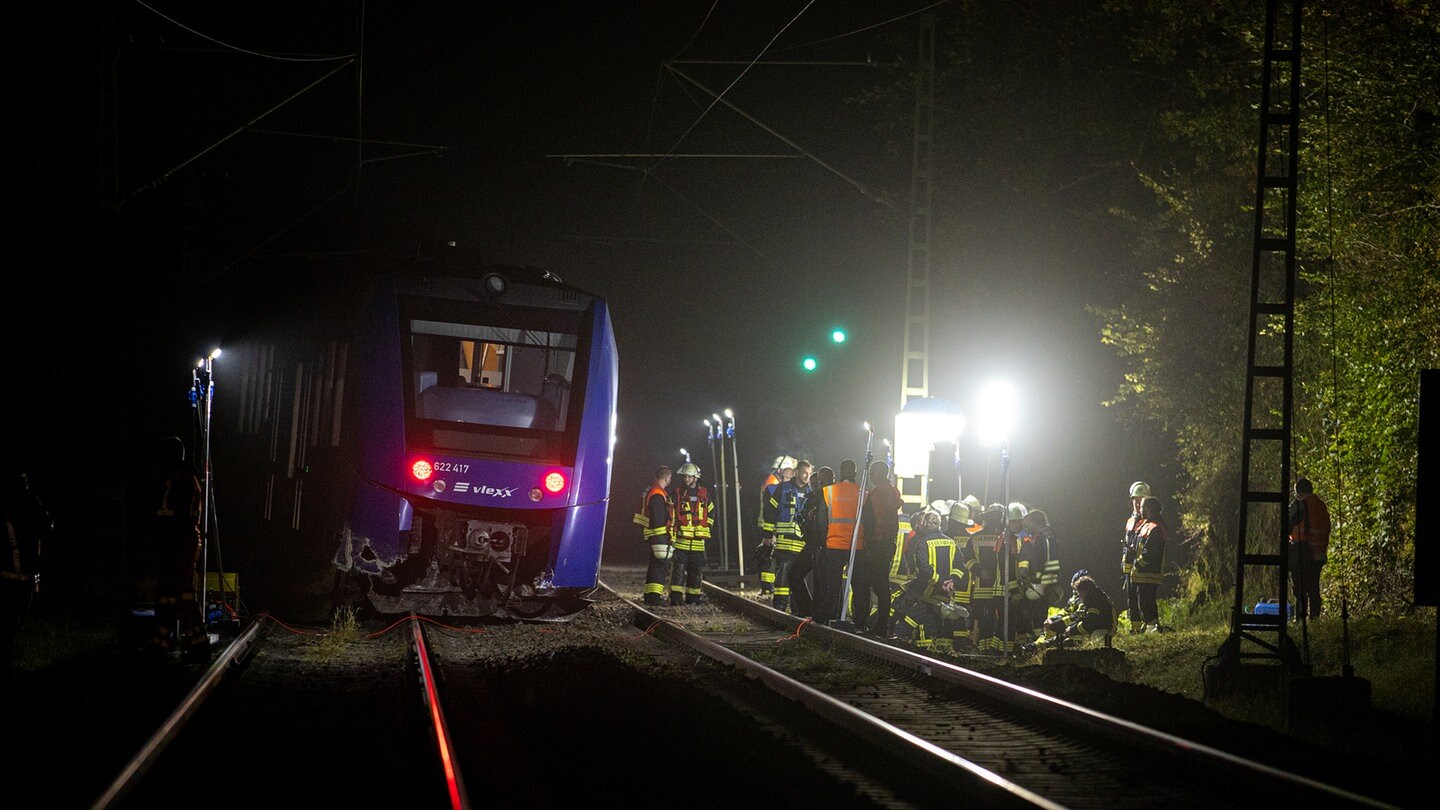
(655, 515)
(694, 514)
(1149, 553)
(899, 564)
(1127, 546)
(767, 490)
(786, 508)
(842, 499)
(1096, 614)
(1310, 524)
(934, 559)
(1048, 549)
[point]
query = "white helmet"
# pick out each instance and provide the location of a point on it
(1018, 511)
(1139, 489)
(689, 469)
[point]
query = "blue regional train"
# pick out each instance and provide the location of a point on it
(472, 418)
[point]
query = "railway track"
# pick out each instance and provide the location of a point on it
(271, 723)
(1005, 744)
(837, 719)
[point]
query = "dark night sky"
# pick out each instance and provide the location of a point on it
(721, 272)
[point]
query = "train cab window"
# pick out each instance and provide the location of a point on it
(517, 380)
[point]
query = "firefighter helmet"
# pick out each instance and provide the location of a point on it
(689, 469)
(1074, 578)
(960, 514)
(1018, 511)
(1139, 489)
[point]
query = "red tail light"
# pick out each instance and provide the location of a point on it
(554, 482)
(422, 470)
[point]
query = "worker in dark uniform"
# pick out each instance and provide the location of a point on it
(1139, 491)
(1149, 567)
(783, 468)
(654, 519)
(816, 523)
(787, 504)
(1309, 546)
(880, 528)
(958, 525)
(987, 600)
(1088, 615)
(694, 516)
(926, 602)
(175, 498)
(27, 528)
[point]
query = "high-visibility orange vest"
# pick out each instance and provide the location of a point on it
(843, 500)
(1315, 527)
(642, 518)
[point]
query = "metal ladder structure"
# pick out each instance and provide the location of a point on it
(915, 360)
(1265, 460)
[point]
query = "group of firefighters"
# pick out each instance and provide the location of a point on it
(957, 576)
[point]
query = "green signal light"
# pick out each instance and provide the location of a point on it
(809, 364)
(838, 336)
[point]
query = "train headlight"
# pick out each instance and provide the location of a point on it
(496, 284)
(536, 494)
(422, 470)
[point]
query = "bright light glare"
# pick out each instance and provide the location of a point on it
(866, 426)
(996, 416)
(838, 336)
(917, 428)
(215, 353)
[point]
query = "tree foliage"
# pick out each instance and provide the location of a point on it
(1132, 126)
(1369, 294)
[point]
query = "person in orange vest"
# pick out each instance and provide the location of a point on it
(842, 502)
(694, 515)
(654, 518)
(1309, 546)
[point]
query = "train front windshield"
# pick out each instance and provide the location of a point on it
(494, 389)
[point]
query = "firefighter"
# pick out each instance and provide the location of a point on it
(987, 600)
(1037, 523)
(1029, 606)
(1139, 491)
(787, 507)
(765, 550)
(694, 516)
(842, 503)
(1088, 614)
(959, 525)
(1148, 569)
(175, 500)
(926, 603)
(655, 519)
(815, 523)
